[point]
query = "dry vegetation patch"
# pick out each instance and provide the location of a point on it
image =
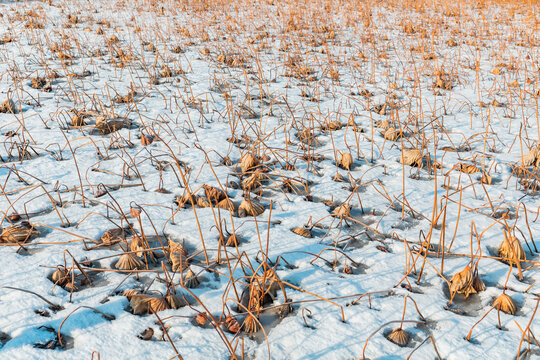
(201, 179)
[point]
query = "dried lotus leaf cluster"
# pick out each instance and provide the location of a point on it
(42, 83)
(303, 231)
(332, 125)
(143, 304)
(186, 199)
(308, 137)
(466, 282)
(346, 161)
(511, 250)
(392, 134)
(253, 181)
(128, 261)
(342, 211)
(384, 125)
(248, 162)
(18, 233)
(412, 157)
(210, 197)
(250, 207)
(227, 204)
(60, 277)
(71, 280)
(251, 324)
(261, 290)
(233, 326)
(443, 83)
(191, 280)
(111, 236)
(178, 257)
(532, 158)
(399, 337)
(467, 168)
(213, 194)
(106, 125)
(77, 120)
(8, 107)
(505, 304)
(296, 187)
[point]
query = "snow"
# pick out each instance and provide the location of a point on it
(48, 160)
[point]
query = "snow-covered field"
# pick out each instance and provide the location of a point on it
(389, 150)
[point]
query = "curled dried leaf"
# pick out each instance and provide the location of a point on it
(146, 334)
(186, 199)
(8, 107)
(343, 210)
(250, 208)
(339, 178)
(177, 248)
(511, 249)
(232, 324)
(467, 168)
(346, 161)
(462, 282)
(128, 262)
(466, 282)
(332, 125)
(505, 304)
(201, 318)
(130, 292)
(77, 120)
(303, 231)
(203, 202)
(106, 126)
(71, 286)
(251, 325)
(412, 157)
(486, 179)
(392, 134)
(254, 181)
(399, 337)
(179, 262)
(59, 277)
(232, 240)
(191, 280)
(175, 301)
(532, 158)
(136, 245)
(384, 125)
(248, 162)
(307, 137)
(157, 304)
(146, 139)
(213, 194)
(18, 233)
(139, 304)
(227, 204)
